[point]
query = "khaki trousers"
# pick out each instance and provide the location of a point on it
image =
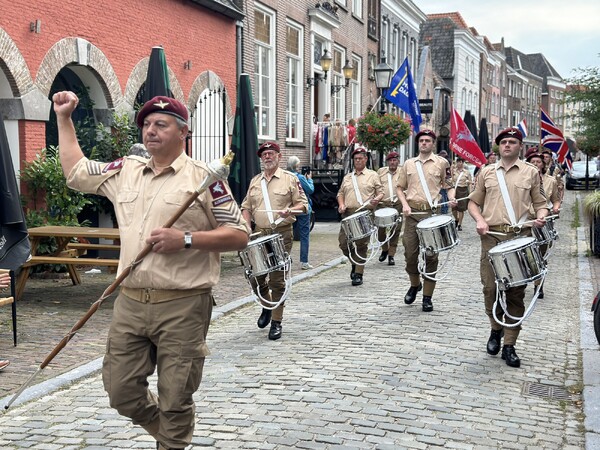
(178, 329)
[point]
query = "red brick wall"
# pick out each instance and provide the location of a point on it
(125, 31)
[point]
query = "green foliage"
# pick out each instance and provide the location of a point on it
(591, 205)
(44, 176)
(382, 132)
(585, 91)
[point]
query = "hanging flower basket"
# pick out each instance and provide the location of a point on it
(382, 132)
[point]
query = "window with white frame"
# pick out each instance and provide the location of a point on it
(472, 71)
(463, 101)
(394, 59)
(264, 71)
(355, 87)
(404, 46)
(337, 78)
(467, 69)
(384, 38)
(293, 109)
(357, 7)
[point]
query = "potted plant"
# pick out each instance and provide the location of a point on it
(382, 132)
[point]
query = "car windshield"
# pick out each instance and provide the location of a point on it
(579, 166)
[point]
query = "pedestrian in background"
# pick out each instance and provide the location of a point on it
(492, 214)
(302, 223)
(162, 314)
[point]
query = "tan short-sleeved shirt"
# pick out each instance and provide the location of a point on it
(465, 180)
(284, 191)
(369, 186)
(550, 188)
(434, 168)
(524, 189)
(390, 198)
(144, 201)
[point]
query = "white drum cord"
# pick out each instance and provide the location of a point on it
(373, 247)
(502, 302)
(422, 265)
(269, 304)
(389, 233)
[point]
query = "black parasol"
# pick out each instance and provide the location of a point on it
(14, 244)
(244, 143)
(484, 137)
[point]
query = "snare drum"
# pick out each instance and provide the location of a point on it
(437, 233)
(517, 262)
(546, 234)
(386, 217)
(264, 255)
(357, 226)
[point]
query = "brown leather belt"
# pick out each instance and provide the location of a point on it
(419, 206)
(160, 295)
(505, 229)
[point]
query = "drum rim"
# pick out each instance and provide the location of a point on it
(447, 220)
(529, 239)
(393, 211)
(267, 237)
(356, 214)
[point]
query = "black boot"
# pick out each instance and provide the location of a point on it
(391, 261)
(411, 295)
(357, 280)
(493, 343)
(383, 256)
(510, 356)
(427, 303)
(353, 271)
(264, 319)
(275, 331)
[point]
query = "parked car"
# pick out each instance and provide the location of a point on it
(596, 311)
(576, 178)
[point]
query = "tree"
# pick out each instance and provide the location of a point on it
(585, 91)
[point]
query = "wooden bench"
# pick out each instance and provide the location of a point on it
(47, 259)
(83, 246)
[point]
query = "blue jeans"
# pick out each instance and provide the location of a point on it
(302, 226)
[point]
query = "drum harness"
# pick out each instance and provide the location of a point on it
(517, 227)
(422, 261)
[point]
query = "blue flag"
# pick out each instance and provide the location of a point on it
(402, 93)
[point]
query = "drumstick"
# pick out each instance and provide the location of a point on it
(533, 220)
(298, 211)
(364, 204)
(496, 233)
(258, 233)
(457, 200)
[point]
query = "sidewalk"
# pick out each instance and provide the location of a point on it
(356, 368)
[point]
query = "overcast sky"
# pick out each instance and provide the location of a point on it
(567, 32)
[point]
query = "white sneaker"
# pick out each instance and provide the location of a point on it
(306, 266)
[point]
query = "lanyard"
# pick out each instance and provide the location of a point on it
(265, 193)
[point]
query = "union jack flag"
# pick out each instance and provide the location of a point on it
(552, 138)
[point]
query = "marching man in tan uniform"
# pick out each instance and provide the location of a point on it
(461, 175)
(162, 314)
(360, 188)
(389, 180)
(274, 197)
(488, 208)
(418, 204)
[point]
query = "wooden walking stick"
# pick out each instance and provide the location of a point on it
(219, 170)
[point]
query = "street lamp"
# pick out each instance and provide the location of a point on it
(383, 79)
(325, 63)
(348, 71)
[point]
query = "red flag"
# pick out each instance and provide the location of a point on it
(462, 141)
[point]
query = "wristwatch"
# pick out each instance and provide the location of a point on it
(187, 239)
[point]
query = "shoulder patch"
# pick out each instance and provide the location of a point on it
(115, 165)
(217, 189)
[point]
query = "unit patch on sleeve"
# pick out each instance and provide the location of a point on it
(217, 189)
(117, 164)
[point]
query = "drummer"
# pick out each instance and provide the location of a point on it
(550, 190)
(418, 204)
(274, 197)
(462, 180)
(487, 207)
(389, 180)
(362, 189)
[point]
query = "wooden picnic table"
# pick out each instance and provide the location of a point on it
(69, 252)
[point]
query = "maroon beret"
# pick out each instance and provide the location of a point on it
(547, 151)
(531, 153)
(392, 155)
(269, 145)
(164, 105)
(358, 150)
(509, 132)
(426, 132)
